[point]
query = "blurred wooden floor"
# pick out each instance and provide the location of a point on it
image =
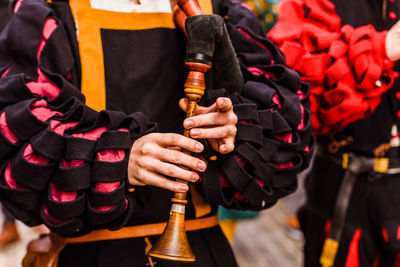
(262, 242)
(11, 255)
(259, 242)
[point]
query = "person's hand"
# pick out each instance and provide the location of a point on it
(155, 155)
(392, 44)
(216, 123)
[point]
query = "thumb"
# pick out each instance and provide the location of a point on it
(183, 104)
(392, 42)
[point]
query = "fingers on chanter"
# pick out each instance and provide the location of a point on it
(224, 104)
(214, 133)
(158, 180)
(180, 158)
(177, 140)
(227, 146)
(174, 171)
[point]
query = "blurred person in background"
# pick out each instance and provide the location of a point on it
(342, 48)
(266, 11)
(80, 153)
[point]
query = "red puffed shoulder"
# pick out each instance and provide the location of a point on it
(347, 68)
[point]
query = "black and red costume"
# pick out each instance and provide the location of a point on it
(64, 164)
(338, 46)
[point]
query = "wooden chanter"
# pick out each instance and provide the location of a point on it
(173, 244)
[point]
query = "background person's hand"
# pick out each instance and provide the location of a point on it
(392, 44)
(155, 155)
(216, 123)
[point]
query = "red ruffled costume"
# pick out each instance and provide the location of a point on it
(347, 68)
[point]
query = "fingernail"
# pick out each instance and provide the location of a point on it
(194, 132)
(201, 166)
(195, 177)
(183, 188)
(199, 147)
(223, 148)
(188, 124)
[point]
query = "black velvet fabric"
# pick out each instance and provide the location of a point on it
(96, 217)
(66, 210)
(259, 116)
(72, 179)
(4, 13)
(6, 146)
(69, 228)
(19, 116)
(79, 148)
(39, 174)
(58, 62)
(107, 199)
(49, 144)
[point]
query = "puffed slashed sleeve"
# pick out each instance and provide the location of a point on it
(274, 140)
(62, 163)
(347, 68)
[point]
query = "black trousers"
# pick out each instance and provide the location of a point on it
(209, 245)
(371, 235)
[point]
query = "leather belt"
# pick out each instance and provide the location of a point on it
(43, 252)
(142, 230)
(353, 165)
(376, 164)
(356, 165)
